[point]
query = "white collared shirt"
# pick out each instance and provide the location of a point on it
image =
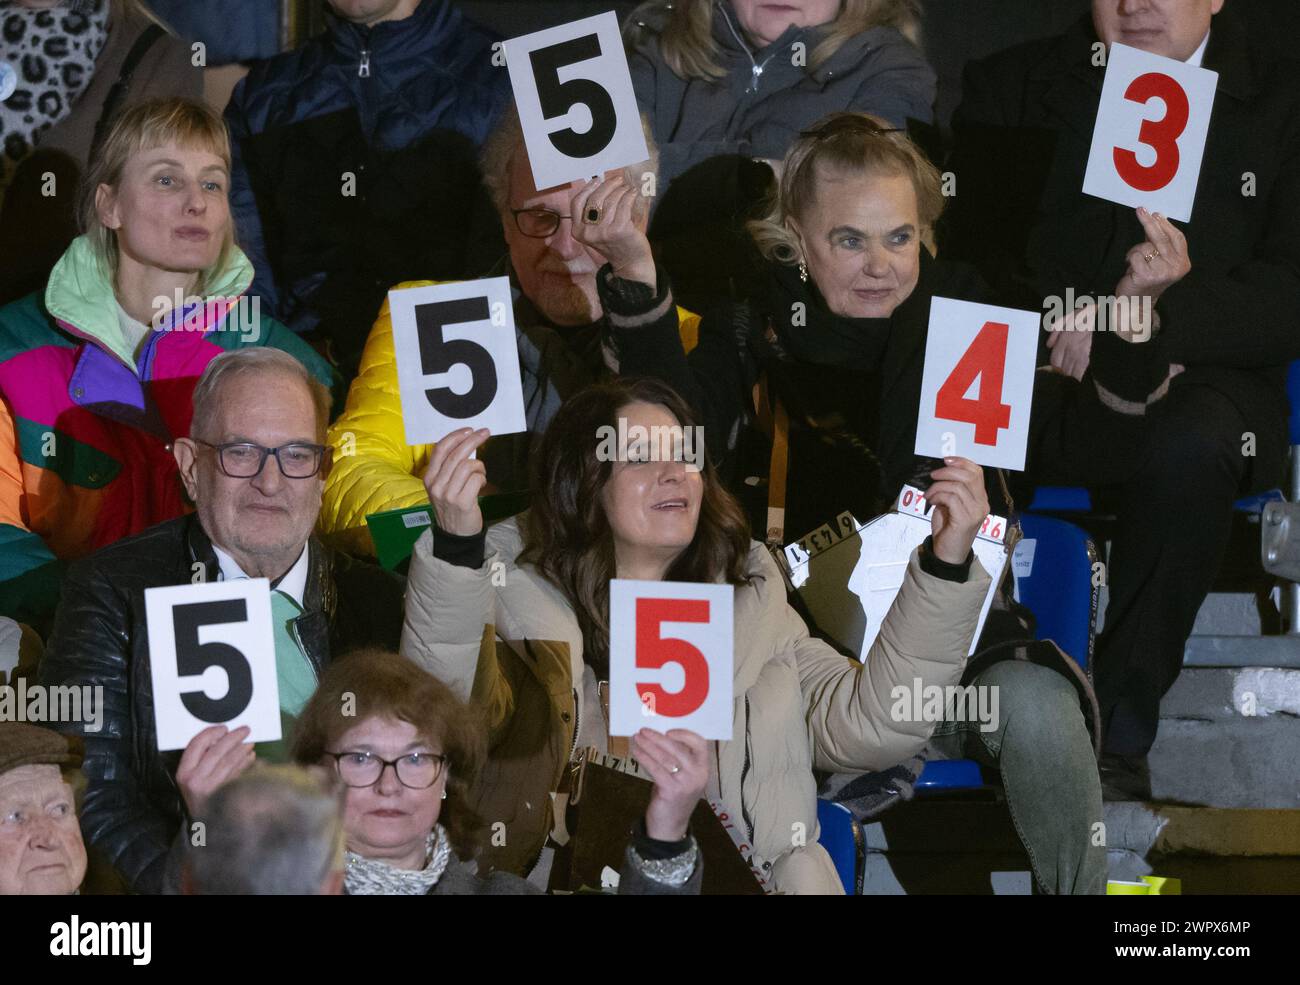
(1199, 54)
(293, 584)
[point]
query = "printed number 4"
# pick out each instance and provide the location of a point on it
(654, 650)
(1160, 134)
(986, 359)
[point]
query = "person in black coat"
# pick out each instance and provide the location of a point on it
(1022, 137)
(252, 521)
(836, 345)
(355, 164)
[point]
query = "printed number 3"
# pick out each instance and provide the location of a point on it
(654, 650)
(1160, 134)
(557, 97)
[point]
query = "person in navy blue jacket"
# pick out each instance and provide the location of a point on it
(355, 163)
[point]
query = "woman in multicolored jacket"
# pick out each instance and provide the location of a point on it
(97, 371)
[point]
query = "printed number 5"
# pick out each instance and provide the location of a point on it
(557, 97)
(654, 650)
(986, 358)
(438, 355)
(1161, 134)
(193, 658)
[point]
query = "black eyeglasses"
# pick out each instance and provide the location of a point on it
(244, 460)
(537, 223)
(417, 770)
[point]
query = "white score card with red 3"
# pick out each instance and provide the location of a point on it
(1150, 133)
(978, 383)
(671, 657)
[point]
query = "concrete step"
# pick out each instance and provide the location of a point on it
(1220, 694)
(1233, 762)
(1229, 737)
(1242, 651)
(1229, 632)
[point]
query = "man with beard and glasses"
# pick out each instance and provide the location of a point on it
(579, 263)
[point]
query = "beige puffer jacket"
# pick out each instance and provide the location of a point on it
(799, 705)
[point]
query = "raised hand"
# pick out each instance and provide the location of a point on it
(454, 481)
(213, 757)
(1158, 262)
(960, 506)
(677, 761)
(603, 213)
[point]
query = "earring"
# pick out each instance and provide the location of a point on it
(803, 271)
(444, 793)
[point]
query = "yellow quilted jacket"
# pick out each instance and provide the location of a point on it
(374, 468)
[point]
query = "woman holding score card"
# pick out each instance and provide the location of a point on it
(655, 510)
(825, 365)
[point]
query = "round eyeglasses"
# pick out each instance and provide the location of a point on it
(537, 223)
(417, 770)
(244, 460)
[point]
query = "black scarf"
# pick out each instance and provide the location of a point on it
(812, 333)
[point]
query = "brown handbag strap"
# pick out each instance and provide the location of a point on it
(776, 475)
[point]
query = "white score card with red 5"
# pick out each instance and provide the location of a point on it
(671, 657)
(978, 383)
(1150, 133)
(576, 103)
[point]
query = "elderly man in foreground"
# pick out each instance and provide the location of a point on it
(41, 853)
(254, 466)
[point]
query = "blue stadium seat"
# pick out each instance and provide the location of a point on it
(1056, 585)
(842, 838)
(1056, 559)
(1061, 499)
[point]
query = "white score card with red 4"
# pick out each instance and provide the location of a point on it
(576, 103)
(1150, 133)
(978, 383)
(671, 657)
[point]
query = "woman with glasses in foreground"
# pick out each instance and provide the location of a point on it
(408, 759)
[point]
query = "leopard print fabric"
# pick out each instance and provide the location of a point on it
(50, 57)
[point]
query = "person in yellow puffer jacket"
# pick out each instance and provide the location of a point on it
(579, 264)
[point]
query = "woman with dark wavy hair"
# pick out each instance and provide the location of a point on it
(624, 490)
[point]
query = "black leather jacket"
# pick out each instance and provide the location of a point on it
(133, 807)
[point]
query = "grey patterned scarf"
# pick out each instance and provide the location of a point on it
(371, 877)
